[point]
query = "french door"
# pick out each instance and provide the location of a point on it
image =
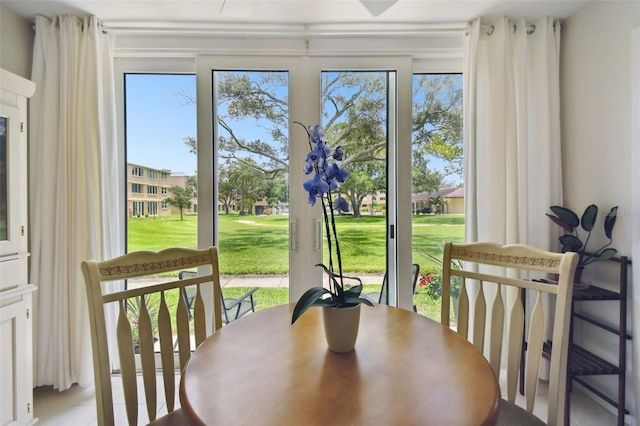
(247, 109)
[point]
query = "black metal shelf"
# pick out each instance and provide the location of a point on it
(594, 293)
(583, 362)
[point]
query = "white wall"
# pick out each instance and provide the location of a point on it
(16, 43)
(596, 136)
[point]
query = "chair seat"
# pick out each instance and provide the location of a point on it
(174, 418)
(513, 415)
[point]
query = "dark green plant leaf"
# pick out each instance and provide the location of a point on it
(311, 297)
(571, 242)
(352, 301)
(328, 302)
(353, 291)
(589, 217)
(606, 254)
(567, 228)
(609, 221)
(566, 215)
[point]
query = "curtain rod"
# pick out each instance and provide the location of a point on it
(248, 28)
(531, 28)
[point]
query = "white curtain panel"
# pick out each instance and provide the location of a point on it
(512, 134)
(74, 191)
(512, 131)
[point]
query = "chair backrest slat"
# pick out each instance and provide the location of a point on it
(127, 364)
(534, 349)
(479, 318)
(139, 309)
(199, 323)
(147, 358)
(494, 273)
(182, 326)
(497, 328)
(515, 337)
(166, 353)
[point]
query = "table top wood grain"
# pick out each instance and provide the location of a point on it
(406, 369)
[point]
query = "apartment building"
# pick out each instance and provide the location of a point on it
(148, 188)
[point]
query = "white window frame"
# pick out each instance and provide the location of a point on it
(427, 49)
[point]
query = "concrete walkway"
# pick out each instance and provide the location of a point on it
(277, 281)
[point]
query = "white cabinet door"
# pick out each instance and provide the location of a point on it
(16, 363)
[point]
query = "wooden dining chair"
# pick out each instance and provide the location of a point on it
(490, 304)
(150, 318)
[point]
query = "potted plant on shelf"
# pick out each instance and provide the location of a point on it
(573, 241)
(340, 303)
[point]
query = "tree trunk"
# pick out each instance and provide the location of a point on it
(356, 210)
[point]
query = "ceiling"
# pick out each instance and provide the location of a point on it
(191, 12)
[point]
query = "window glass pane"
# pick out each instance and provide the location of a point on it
(437, 180)
(252, 128)
(161, 161)
(161, 178)
(354, 116)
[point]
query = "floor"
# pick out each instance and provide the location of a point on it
(76, 406)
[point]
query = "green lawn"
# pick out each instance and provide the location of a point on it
(260, 245)
(251, 245)
(267, 297)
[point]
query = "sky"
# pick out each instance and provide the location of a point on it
(158, 120)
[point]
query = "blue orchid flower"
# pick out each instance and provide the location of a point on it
(315, 133)
(338, 153)
(341, 205)
(316, 187)
(336, 173)
(309, 167)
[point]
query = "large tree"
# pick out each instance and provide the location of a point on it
(354, 108)
(424, 179)
(249, 182)
(227, 191)
(180, 198)
(437, 119)
(362, 182)
(259, 99)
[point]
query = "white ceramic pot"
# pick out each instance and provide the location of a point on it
(341, 327)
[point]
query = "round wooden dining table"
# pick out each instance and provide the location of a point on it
(406, 370)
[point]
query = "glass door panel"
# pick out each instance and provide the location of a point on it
(437, 184)
(355, 114)
(251, 131)
(161, 175)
